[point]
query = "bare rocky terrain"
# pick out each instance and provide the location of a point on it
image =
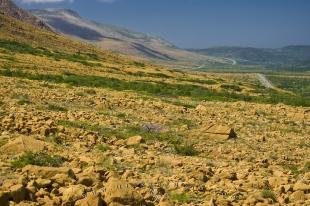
(81, 126)
(111, 146)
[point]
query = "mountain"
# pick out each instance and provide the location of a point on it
(290, 55)
(8, 8)
(116, 38)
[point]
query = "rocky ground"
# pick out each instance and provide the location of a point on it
(64, 145)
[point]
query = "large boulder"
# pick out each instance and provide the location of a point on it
(23, 144)
(91, 200)
(120, 192)
(73, 193)
(222, 132)
(134, 140)
(48, 172)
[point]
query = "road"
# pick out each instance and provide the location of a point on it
(233, 62)
(264, 81)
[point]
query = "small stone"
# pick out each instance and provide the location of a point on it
(43, 183)
(134, 140)
(301, 186)
(297, 196)
(91, 200)
(119, 191)
(73, 193)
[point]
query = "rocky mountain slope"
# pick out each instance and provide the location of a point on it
(118, 39)
(81, 126)
(290, 55)
(8, 7)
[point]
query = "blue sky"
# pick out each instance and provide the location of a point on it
(200, 23)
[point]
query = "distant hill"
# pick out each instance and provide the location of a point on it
(291, 55)
(118, 39)
(8, 8)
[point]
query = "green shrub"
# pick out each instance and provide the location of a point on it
(56, 107)
(21, 99)
(231, 87)
(40, 159)
(181, 198)
(306, 167)
(102, 147)
(185, 149)
(162, 89)
(268, 194)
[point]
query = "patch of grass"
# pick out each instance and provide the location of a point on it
(232, 87)
(181, 198)
(183, 121)
(139, 64)
(161, 89)
(293, 168)
(39, 159)
(268, 194)
(125, 132)
(181, 103)
(200, 81)
(306, 167)
(21, 99)
(17, 47)
(102, 147)
(55, 107)
(185, 149)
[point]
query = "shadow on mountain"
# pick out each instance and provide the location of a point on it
(151, 53)
(75, 30)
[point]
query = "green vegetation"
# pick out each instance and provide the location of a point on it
(56, 107)
(16, 47)
(232, 87)
(306, 167)
(200, 81)
(185, 149)
(181, 198)
(183, 121)
(102, 147)
(139, 64)
(173, 139)
(21, 99)
(163, 89)
(266, 193)
(292, 168)
(40, 159)
(299, 85)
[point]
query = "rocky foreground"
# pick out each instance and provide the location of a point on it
(64, 145)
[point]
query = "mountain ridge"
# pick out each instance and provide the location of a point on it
(117, 39)
(9, 8)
